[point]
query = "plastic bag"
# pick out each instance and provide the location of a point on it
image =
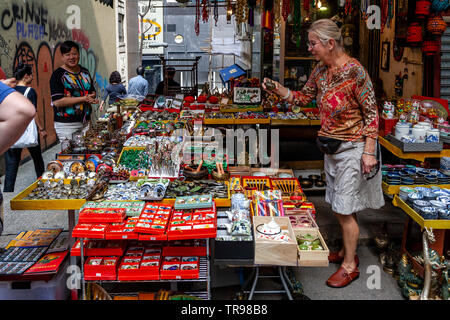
(29, 138)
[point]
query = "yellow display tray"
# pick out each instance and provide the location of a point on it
(240, 108)
(419, 156)
(395, 189)
(252, 121)
(315, 122)
(18, 202)
(290, 122)
(219, 121)
(435, 224)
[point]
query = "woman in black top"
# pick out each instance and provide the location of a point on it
(73, 92)
(114, 89)
(24, 77)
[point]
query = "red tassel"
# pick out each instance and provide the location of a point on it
(305, 4)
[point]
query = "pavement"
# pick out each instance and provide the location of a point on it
(227, 282)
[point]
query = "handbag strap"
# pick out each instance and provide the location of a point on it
(26, 92)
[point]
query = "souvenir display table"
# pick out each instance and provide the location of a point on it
(148, 216)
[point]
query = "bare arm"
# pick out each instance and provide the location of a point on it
(16, 112)
(70, 101)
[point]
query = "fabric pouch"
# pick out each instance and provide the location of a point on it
(328, 145)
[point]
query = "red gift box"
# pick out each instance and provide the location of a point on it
(123, 230)
(99, 248)
(102, 215)
(186, 251)
(93, 231)
(182, 271)
(140, 264)
(101, 268)
(153, 220)
(387, 126)
(75, 251)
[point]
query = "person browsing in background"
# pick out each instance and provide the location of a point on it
(347, 137)
(113, 90)
(24, 76)
(73, 92)
(173, 85)
(16, 112)
(138, 85)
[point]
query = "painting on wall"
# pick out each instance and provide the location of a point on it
(385, 55)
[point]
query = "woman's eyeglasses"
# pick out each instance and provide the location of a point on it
(311, 44)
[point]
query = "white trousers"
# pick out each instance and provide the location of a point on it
(65, 132)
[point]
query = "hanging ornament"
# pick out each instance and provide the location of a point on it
(390, 15)
(229, 11)
(240, 11)
(251, 12)
(348, 7)
(306, 5)
(384, 13)
(216, 11)
(439, 5)
(197, 17)
(277, 15)
(436, 25)
(205, 10)
(286, 9)
(363, 9)
(297, 22)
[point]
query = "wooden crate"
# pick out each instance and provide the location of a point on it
(275, 253)
(271, 172)
(239, 170)
(312, 258)
(18, 202)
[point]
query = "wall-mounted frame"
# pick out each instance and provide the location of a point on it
(385, 55)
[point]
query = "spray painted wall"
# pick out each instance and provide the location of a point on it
(32, 31)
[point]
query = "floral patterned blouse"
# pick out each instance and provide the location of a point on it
(347, 103)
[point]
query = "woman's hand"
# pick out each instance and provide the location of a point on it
(11, 82)
(43, 133)
(368, 163)
(279, 89)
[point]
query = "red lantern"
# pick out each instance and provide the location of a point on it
(430, 47)
(422, 8)
(436, 25)
(414, 34)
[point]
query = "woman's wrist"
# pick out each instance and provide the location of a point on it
(288, 94)
(370, 154)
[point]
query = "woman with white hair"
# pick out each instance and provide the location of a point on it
(348, 137)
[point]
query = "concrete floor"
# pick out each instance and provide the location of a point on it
(226, 281)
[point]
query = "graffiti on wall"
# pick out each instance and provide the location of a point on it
(36, 35)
